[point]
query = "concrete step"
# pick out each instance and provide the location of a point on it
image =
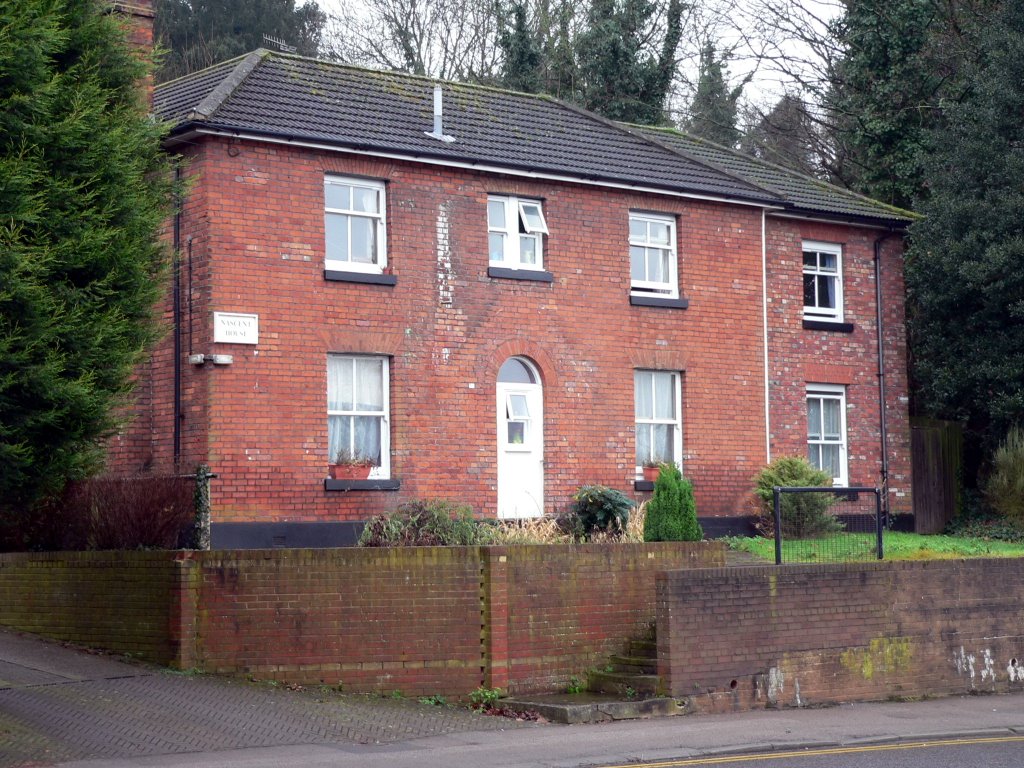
(574, 708)
(634, 665)
(624, 684)
(647, 648)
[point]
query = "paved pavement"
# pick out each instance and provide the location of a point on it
(60, 704)
(64, 706)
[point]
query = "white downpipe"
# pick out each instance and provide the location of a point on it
(764, 321)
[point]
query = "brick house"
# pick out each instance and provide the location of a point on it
(494, 298)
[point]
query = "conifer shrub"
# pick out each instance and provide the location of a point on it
(1004, 487)
(804, 515)
(672, 510)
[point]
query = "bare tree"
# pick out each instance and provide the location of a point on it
(450, 39)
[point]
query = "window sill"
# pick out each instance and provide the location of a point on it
(535, 275)
(368, 278)
(654, 301)
(643, 485)
(828, 325)
(361, 485)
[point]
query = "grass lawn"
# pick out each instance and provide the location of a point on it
(844, 547)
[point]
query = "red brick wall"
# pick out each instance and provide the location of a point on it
(567, 609)
(420, 620)
(372, 619)
(798, 357)
(127, 602)
(255, 212)
(428, 619)
(809, 635)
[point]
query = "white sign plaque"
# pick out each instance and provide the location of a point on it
(235, 328)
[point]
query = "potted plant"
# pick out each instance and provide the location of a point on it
(348, 466)
(651, 470)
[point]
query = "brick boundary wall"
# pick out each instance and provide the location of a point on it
(419, 620)
(745, 638)
(567, 609)
(128, 602)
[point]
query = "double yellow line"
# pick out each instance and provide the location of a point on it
(749, 758)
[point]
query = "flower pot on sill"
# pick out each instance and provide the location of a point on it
(349, 471)
(651, 473)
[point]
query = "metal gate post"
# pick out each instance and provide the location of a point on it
(878, 522)
(777, 493)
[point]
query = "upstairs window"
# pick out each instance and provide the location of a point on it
(515, 233)
(826, 430)
(357, 412)
(823, 282)
(657, 413)
(652, 256)
(354, 225)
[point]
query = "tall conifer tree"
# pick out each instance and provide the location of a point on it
(84, 191)
(198, 33)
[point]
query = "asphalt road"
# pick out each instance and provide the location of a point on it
(990, 752)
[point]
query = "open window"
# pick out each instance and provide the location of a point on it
(652, 256)
(823, 282)
(515, 232)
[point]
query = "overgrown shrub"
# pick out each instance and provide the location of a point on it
(532, 530)
(804, 515)
(1004, 487)
(598, 509)
(672, 510)
(138, 512)
(421, 523)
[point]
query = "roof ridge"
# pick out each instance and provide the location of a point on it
(213, 100)
(407, 75)
(791, 172)
(702, 161)
(626, 128)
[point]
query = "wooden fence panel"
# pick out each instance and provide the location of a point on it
(936, 449)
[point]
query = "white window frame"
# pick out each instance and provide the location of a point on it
(383, 471)
(512, 417)
(519, 224)
(378, 217)
(647, 422)
(836, 393)
(813, 311)
(669, 289)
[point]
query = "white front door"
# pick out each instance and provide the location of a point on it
(520, 407)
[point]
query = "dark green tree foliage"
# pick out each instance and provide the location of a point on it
(787, 136)
(618, 76)
(965, 265)
(713, 110)
(672, 510)
(521, 70)
(198, 33)
(558, 55)
(83, 193)
(600, 509)
(902, 57)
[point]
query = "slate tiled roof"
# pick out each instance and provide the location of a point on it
(281, 95)
(273, 93)
(805, 195)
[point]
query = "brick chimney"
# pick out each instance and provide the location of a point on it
(140, 15)
(140, 32)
